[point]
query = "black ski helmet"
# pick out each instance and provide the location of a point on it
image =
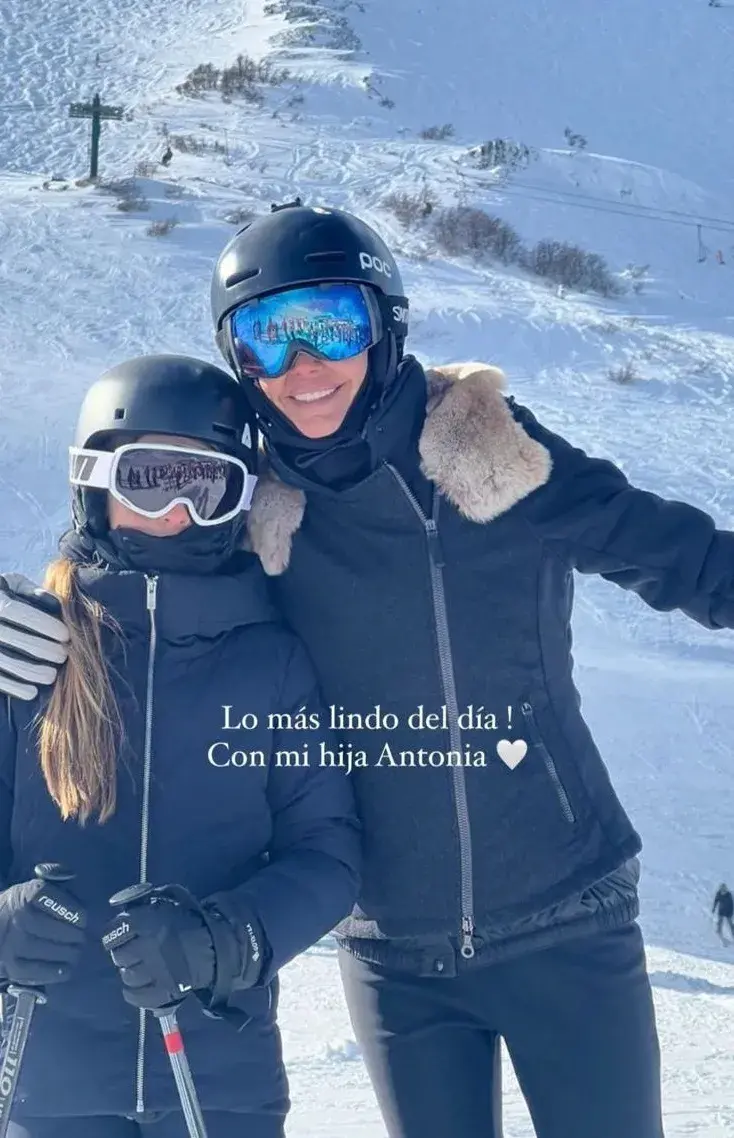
(299, 245)
(161, 395)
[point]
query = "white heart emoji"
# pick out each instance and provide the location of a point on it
(512, 753)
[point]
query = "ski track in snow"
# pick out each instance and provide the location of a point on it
(82, 286)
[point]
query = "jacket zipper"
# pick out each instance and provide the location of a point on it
(550, 766)
(151, 584)
(448, 682)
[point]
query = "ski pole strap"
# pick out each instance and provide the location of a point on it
(227, 956)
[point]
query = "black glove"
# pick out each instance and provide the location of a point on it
(30, 631)
(171, 945)
(41, 933)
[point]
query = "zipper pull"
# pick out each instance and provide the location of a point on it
(467, 932)
(434, 544)
(151, 589)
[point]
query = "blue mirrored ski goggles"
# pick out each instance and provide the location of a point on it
(334, 322)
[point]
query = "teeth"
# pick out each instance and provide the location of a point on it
(313, 396)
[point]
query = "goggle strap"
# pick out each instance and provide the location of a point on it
(395, 313)
(248, 491)
(90, 467)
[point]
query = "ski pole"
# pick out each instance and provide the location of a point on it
(26, 999)
(172, 1039)
(182, 1073)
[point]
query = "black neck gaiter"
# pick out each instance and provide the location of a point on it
(195, 551)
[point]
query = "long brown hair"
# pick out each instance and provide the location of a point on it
(80, 730)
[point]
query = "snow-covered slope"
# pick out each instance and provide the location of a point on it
(82, 285)
(650, 83)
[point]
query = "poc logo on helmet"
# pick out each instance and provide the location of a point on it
(367, 261)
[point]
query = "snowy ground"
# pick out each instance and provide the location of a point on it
(82, 285)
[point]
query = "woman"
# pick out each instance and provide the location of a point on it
(422, 531)
(156, 759)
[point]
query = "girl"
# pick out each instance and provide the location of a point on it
(155, 759)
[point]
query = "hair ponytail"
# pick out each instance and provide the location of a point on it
(81, 730)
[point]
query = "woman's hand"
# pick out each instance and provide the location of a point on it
(33, 638)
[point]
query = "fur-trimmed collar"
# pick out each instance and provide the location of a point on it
(471, 447)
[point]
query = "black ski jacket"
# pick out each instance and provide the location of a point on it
(277, 842)
(445, 583)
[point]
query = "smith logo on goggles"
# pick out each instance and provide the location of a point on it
(332, 322)
(151, 480)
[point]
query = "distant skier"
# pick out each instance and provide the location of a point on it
(724, 906)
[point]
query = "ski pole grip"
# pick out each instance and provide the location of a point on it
(133, 895)
(52, 871)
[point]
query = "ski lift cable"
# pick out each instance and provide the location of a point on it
(627, 207)
(690, 221)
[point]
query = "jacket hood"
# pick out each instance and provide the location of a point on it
(188, 607)
(470, 447)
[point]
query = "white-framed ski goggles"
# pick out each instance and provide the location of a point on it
(152, 479)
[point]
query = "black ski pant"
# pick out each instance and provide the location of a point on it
(171, 1125)
(720, 925)
(577, 1020)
